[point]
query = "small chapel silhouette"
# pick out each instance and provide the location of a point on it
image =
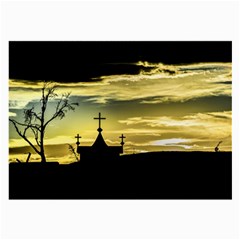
(99, 150)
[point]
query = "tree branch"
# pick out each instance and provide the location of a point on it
(35, 132)
(62, 107)
(37, 126)
(36, 116)
(23, 136)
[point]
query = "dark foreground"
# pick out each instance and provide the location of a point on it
(160, 175)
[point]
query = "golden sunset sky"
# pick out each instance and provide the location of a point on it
(164, 107)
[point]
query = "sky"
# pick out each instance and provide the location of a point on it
(163, 96)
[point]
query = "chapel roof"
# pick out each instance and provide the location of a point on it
(99, 142)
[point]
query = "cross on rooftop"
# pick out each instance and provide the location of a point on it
(99, 121)
(78, 139)
(122, 137)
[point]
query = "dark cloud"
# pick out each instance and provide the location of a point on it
(57, 150)
(12, 104)
(34, 89)
(169, 71)
(21, 150)
(133, 108)
(87, 61)
(219, 116)
(149, 70)
(202, 68)
(226, 82)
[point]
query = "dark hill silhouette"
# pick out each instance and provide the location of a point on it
(154, 175)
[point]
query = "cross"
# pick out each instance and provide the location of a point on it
(99, 121)
(122, 137)
(78, 139)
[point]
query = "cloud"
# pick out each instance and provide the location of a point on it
(60, 139)
(161, 121)
(152, 104)
(162, 83)
(12, 114)
(171, 141)
(188, 120)
(199, 131)
(194, 129)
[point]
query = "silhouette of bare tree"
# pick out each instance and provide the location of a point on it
(36, 123)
